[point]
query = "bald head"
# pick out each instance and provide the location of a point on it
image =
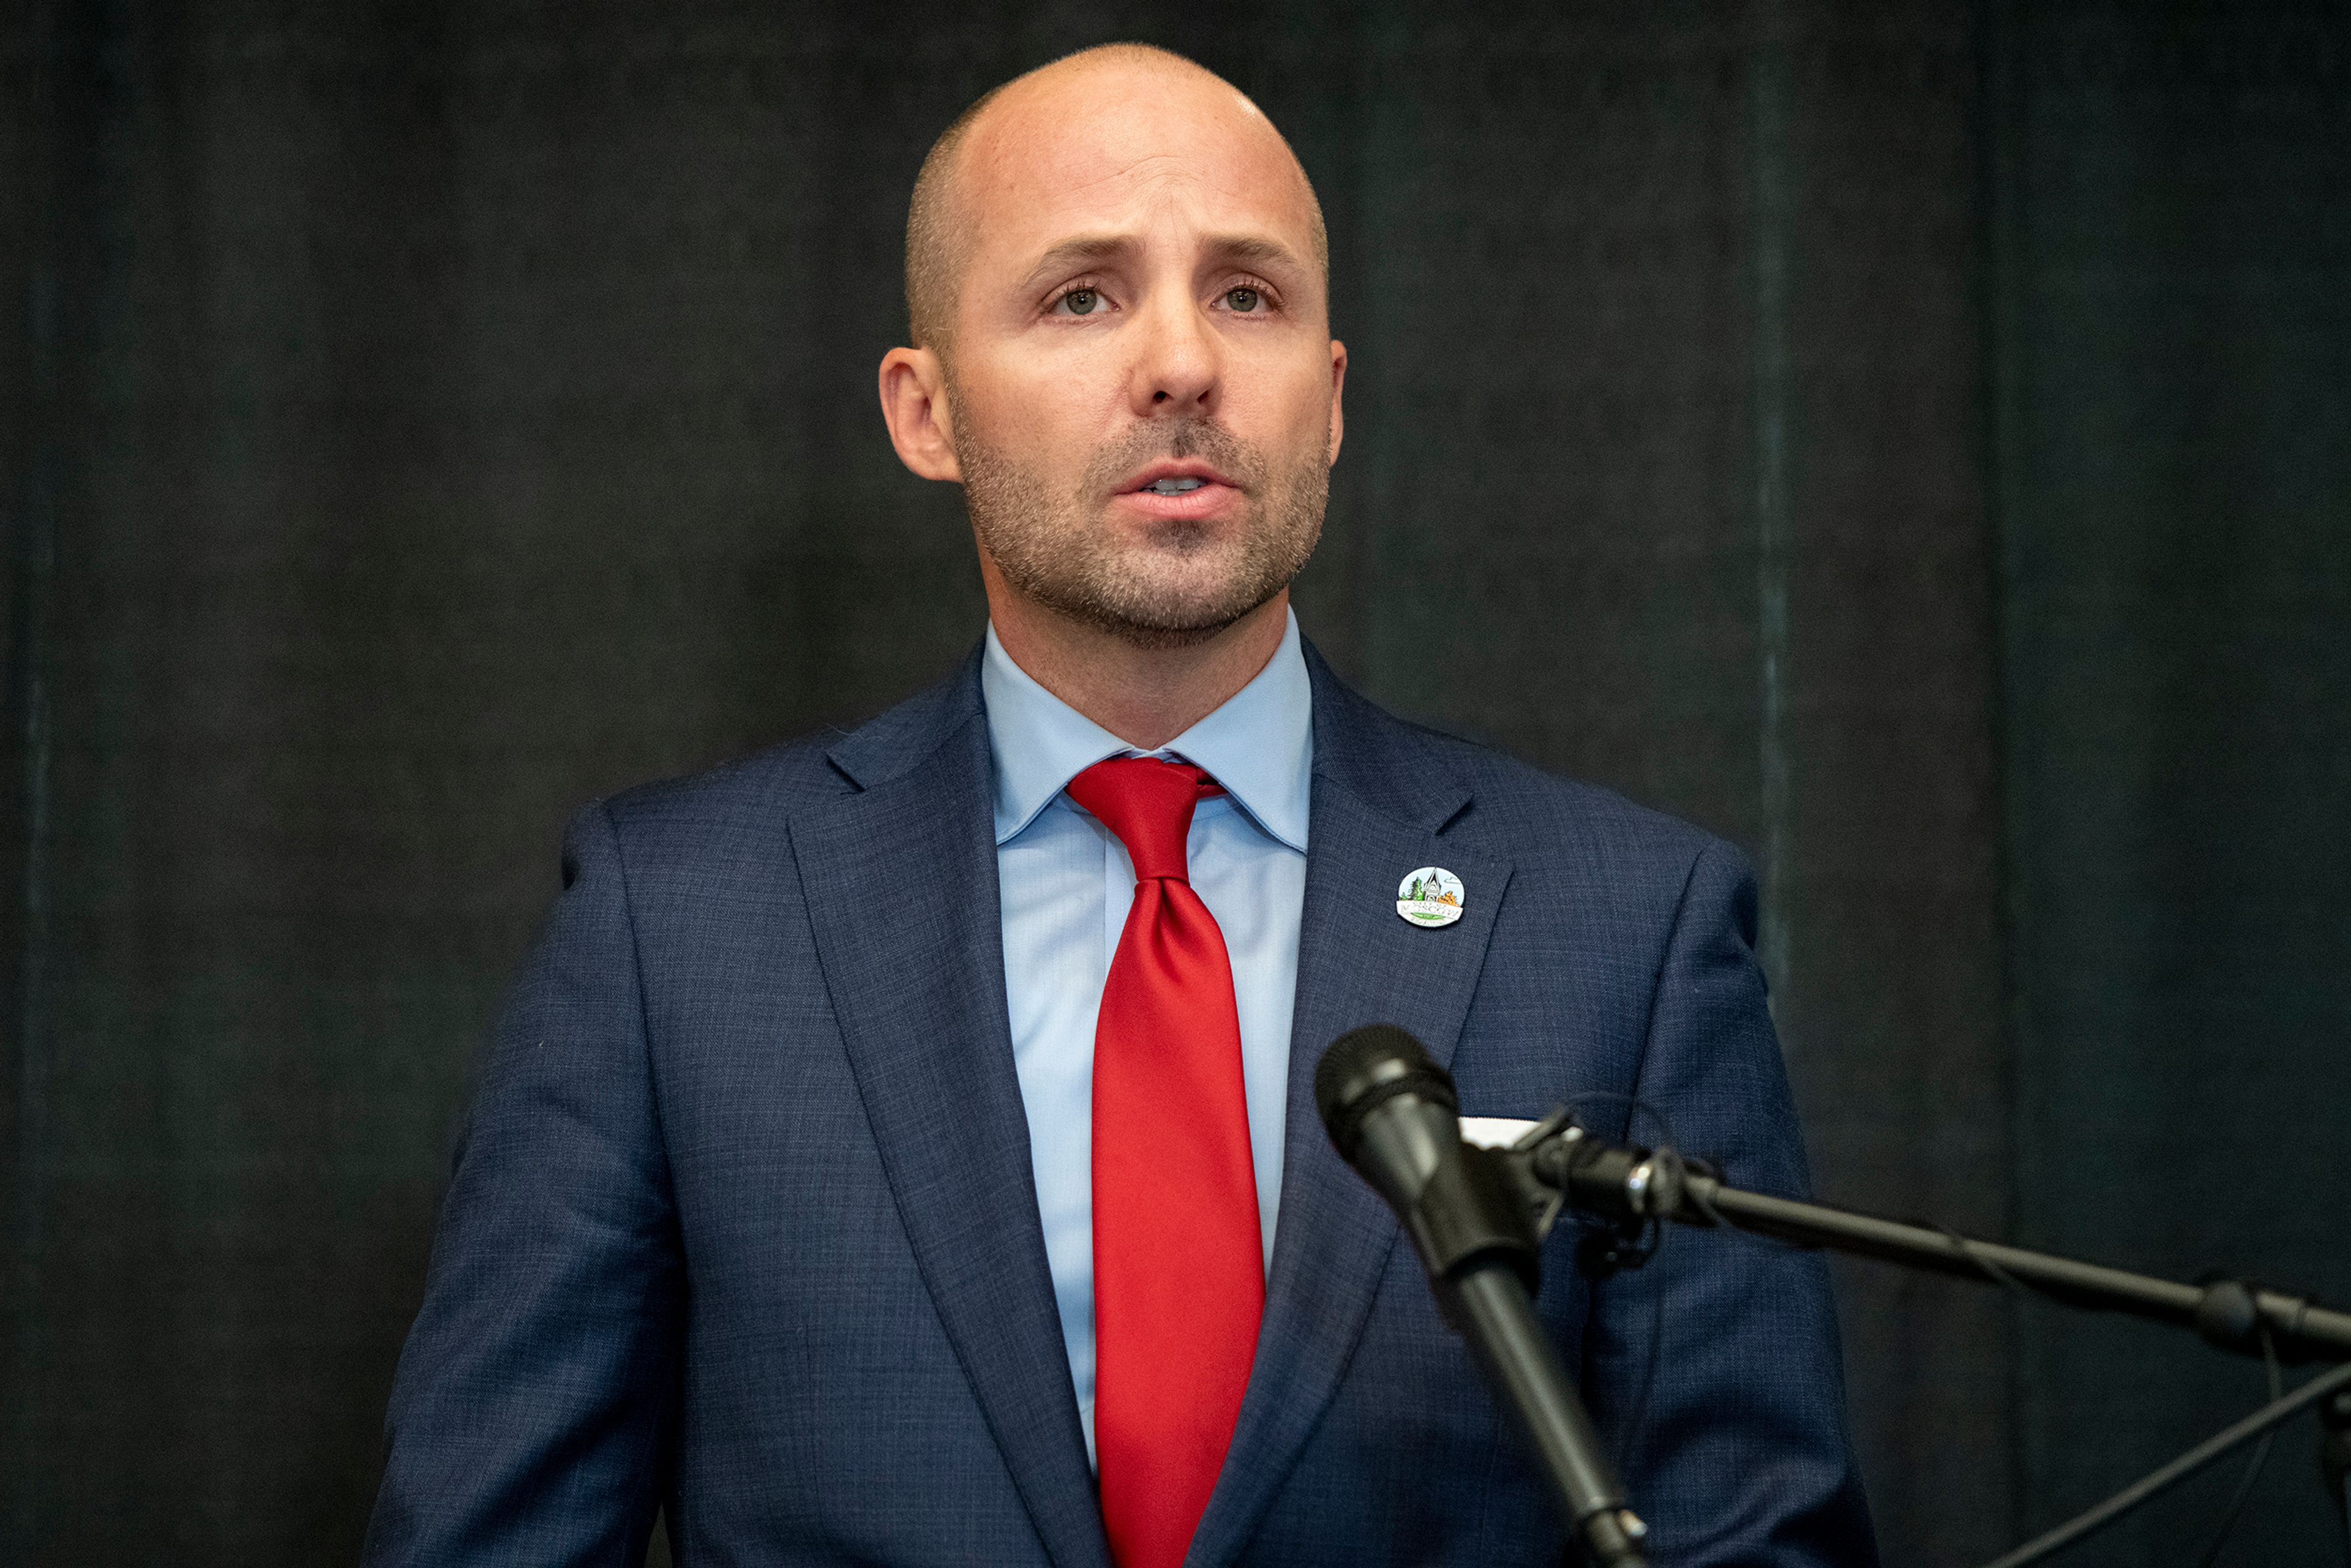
(1119, 290)
(1113, 89)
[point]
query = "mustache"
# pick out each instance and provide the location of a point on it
(1200, 436)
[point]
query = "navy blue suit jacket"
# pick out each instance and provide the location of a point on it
(744, 1225)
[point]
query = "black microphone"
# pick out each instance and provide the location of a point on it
(1391, 1114)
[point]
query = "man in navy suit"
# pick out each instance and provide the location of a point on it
(900, 1148)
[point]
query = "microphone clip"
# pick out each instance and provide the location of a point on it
(1623, 1195)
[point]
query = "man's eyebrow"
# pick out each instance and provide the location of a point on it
(1252, 247)
(1085, 250)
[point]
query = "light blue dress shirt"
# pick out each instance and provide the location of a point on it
(1066, 886)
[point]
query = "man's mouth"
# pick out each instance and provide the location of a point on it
(1179, 490)
(1175, 477)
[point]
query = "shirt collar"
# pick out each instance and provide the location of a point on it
(1260, 745)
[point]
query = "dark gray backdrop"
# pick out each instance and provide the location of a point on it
(1912, 440)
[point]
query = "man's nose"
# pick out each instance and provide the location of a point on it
(1179, 368)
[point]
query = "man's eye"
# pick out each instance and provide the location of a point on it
(1242, 299)
(1080, 301)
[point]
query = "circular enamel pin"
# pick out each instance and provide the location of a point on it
(1430, 897)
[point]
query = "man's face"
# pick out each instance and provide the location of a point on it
(1141, 387)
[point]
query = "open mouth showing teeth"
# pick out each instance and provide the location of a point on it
(1174, 486)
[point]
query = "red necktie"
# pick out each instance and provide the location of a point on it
(1179, 1280)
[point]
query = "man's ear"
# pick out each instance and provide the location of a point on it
(914, 407)
(1338, 384)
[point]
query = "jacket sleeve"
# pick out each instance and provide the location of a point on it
(528, 1415)
(1740, 1454)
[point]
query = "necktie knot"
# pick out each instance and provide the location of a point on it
(1147, 803)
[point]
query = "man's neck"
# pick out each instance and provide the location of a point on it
(1146, 697)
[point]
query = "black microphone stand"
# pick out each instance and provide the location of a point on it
(1559, 1165)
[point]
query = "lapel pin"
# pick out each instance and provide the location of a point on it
(1430, 897)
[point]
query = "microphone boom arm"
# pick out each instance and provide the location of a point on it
(1560, 1164)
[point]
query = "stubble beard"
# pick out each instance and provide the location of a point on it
(1186, 580)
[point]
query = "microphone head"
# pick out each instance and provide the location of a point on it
(1367, 1067)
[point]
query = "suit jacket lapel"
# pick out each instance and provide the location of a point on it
(1375, 818)
(899, 873)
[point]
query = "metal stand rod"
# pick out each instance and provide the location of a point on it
(1524, 1369)
(2273, 1413)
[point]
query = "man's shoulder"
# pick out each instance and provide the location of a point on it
(748, 798)
(1533, 804)
(759, 783)
(1507, 807)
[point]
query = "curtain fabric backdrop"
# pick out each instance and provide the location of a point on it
(1911, 440)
